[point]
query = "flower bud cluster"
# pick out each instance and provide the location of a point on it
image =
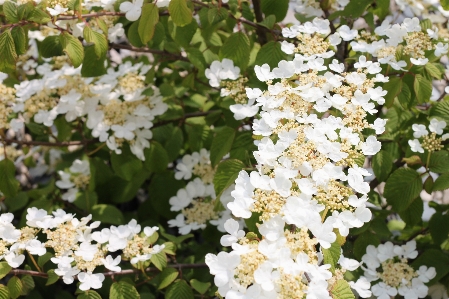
(388, 270)
(197, 202)
(309, 185)
(76, 248)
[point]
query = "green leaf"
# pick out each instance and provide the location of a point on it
(51, 46)
(393, 88)
(7, 52)
(99, 40)
(15, 287)
(85, 200)
(402, 187)
(196, 57)
(10, 11)
(413, 214)
(179, 290)
(174, 143)
(433, 258)
(271, 54)
(197, 135)
(4, 269)
(382, 164)
(8, 182)
(268, 22)
(423, 88)
(439, 230)
(123, 290)
(441, 183)
(133, 35)
(221, 144)
(236, 48)
(382, 8)
(92, 65)
(445, 4)
(332, 255)
(227, 172)
(52, 277)
(362, 241)
(405, 97)
(28, 284)
(39, 16)
(125, 165)
(91, 294)
(355, 8)
(43, 259)
(434, 70)
(107, 214)
(183, 35)
(4, 292)
(278, 8)
(440, 110)
(17, 202)
(200, 287)
(216, 15)
(20, 40)
(341, 290)
(159, 260)
(72, 47)
(24, 10)
(169, 248)
(167, 276)
(156, 158)
(439, 161)
(148, 21)
(180, 12)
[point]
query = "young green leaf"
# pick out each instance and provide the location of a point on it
(73, 48)
(200, 287)
(341, 290)
(179, 290)
(123, 290)
(332, 255)
(382, 164)
(10, 11)
(15, 287)
(423, 88)
(227, 172)
(39, 16)
(4, 269)
(20, 40)
(51, 46)
(159, 260)
(180, 12)
(278, 8)
(156, 158)
(7, 52)
(92, 65)
(167, 276)
(148, 21)
(107, 214)
(99, 40)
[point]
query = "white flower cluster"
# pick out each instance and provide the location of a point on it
(197, 201)
(234, 87)
(77, 249)
(407, 41)
(308, 179)
(76, 178)
(427, 9)
(118, 107)
(388, 270)
(430, 142)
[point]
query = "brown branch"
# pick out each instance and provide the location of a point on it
(188, 115)
(45, 143)
(259, 18)
(112, 273)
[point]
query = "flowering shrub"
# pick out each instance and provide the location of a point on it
(235, 149)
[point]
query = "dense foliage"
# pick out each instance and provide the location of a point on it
(238, 149)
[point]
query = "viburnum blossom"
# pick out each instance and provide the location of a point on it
(390, 274)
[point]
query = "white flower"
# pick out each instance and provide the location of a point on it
(436, 126)
(371, 146)
(57, 10)
(426, 274)
(379, 125)
(35, 247)
(90, 281)
(346, 33)
(149, 231)
(87, 251)
(232, 227)
(14, 260)
(111, 263)
(419, 130)
(419, 61)
(132, 9)
(263, 72)
(362, 287)
(407, 250)
(383, 291)
(222, 266)
(415, 146)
